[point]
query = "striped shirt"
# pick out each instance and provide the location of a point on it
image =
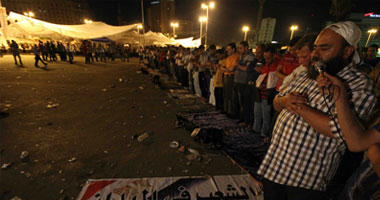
(298, 155)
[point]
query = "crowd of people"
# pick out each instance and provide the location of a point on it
(48, 51)
(314, 104)
(310, 103)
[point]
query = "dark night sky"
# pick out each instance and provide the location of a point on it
(228, 17)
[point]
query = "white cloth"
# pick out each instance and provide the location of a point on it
(350, 32)
(212, 100)
(197, 87)
(289, 78)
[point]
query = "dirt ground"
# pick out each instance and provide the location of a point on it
(97, 108)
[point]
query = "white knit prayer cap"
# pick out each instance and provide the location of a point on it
(351, 33)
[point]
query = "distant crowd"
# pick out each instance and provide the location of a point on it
(48, 51)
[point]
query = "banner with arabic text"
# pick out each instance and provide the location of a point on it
(226, 187)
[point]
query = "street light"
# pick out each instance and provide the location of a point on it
(245, 29)
(201, 19)
(29, 14)
(293, 28)
(370, 31)
(87, 21)
(174, 25)
(205, 6)
(138, 28)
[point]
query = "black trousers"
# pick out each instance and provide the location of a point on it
(241, 96)
(185, 77)
(203, 85)
(37, 59)
(249, 102)
(180, 69)
(228, 93)
(218, 92)
(275, 191)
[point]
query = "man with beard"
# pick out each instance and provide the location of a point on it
(307, 143)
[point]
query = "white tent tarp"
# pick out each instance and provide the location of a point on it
(189, 42)
(30, 27)
(26, 28)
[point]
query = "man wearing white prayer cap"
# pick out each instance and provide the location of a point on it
(307, 144)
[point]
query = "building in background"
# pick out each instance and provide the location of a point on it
(267, 30)
(57, 11)
(160, 14)
(367, 21)
(186, 29)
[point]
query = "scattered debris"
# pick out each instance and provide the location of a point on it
(18, 77)
(52, 105)
(188, 163)
(165, 102)
(170, 169)
(73, 159)
(120, 80)
(60, 171)
(191, 157)
(193, 151)
(28, 174)
(138, 72)
(24, 155)
(22, 172)
(106, 151)
(141, 87)
(181, 149)
(61, 191)
(113, 165)
(16, 198)
(104, 90)
(195, 132)
(141, 117)
(91, 172)
(142, 137)
(174, 144)
(112, 86)
(8, 105)
(186, 170)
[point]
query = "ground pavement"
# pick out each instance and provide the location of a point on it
(77, 122)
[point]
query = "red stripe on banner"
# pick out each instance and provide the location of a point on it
(94, 187)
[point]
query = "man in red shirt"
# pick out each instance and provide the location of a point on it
(287, 63)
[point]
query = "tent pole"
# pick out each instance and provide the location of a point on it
(143, 24)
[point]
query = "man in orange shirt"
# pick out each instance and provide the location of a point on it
(228, 80)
